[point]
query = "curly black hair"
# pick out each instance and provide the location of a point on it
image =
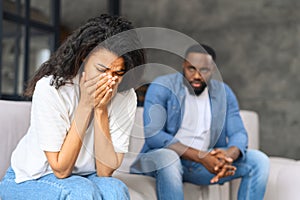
(65, 63)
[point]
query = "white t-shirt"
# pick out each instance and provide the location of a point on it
(51, 117)
(195, 127)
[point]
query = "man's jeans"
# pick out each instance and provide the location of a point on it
(49, 187)
(170, 173)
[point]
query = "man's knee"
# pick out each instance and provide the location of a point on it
(165, 158)
(157, 160)
(258, 160)
(257, 157)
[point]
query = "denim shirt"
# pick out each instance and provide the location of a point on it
(164, 108)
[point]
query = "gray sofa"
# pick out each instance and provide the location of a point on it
(283, 184)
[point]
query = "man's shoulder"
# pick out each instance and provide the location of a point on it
(216, 84)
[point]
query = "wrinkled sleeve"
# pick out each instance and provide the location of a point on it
(155, 117)
(236, 132)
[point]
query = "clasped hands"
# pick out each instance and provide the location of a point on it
(219, 163)
(97, 92)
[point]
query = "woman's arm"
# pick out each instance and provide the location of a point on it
(107, 160)
(62, 162)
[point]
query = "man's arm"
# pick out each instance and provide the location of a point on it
(235, 130)
(208, 160)
(155, 116)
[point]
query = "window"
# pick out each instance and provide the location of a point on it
(29, 32)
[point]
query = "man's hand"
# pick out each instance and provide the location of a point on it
(226, 158)
(222, 156)
(226, 170)
(216, 163)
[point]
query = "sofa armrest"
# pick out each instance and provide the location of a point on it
(14, 122)
(251, 123)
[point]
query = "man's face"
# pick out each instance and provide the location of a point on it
(197, 69)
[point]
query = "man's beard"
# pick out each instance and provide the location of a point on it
(195, 90)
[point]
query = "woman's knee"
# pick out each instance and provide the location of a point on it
(117, 183)
(111, 188)
(73, 187)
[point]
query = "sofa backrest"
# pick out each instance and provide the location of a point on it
(250, 120)
(15, 119)
(251, 123)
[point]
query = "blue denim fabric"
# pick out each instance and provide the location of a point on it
(75, 187)
(253, 170)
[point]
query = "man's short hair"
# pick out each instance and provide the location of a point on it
(202, 48)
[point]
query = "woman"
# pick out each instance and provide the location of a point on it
(80, 120)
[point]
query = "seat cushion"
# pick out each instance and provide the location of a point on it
(284, 179)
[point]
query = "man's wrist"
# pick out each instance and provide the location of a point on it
(202, 155)
(233, 152)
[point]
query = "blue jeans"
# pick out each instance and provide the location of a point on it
(171, 172)
(75, 187)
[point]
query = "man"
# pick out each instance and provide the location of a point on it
(194, 133)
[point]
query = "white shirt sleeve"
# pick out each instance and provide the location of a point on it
(49, 116)
(121, 119)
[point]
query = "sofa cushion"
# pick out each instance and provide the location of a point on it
(284, 179)
(143, 187)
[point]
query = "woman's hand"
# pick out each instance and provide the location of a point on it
(106, 88)
(87, 90)
(98, 91)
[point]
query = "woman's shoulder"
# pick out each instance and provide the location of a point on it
(44, 80)
(44, 85)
